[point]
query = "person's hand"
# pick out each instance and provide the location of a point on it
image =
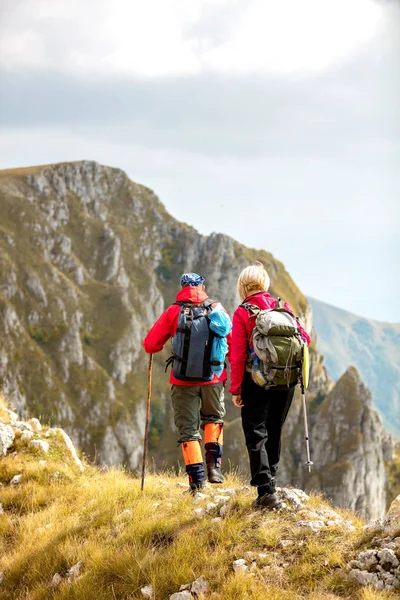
(237, 400)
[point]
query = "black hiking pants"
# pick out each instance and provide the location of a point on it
(263, 415)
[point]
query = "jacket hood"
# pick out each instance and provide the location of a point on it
(191, 294)
(263, 300)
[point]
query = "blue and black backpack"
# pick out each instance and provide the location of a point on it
(192, 343)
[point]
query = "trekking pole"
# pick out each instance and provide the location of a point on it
(309, 462)
(146, 431)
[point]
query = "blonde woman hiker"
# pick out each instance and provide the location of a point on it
(200, 331)
(266, 327)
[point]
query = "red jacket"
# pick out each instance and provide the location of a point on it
(243, 325)
(165, 328)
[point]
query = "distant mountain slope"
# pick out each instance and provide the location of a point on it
(372, 346)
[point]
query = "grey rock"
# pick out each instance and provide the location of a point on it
(295, 497)
(35, 424)
(16, 479)
(356, 564)
(199, 497)
(129, 437)
(22, 426)
(239, 565)
(6, 438)
(70, 447)
(199, 586)
(391, 524)
(71, 344)
(349, 525)
(387, 558)
(50, 433)
(184, 595)
(74, 571)
(368, 558)
(285, 543)
(40, 445)
(147, 591)
(377, 525)
(111, 452)
(111, 249)
(57, 579)
(26, 436)
(126, 351)
(34, 285)
(315, 526)
(365, 578)
(221, 499)
(228, 491)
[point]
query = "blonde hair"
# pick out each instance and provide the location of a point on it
(253, 279)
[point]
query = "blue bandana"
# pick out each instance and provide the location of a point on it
(192, 279)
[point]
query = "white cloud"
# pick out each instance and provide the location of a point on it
(159, 38)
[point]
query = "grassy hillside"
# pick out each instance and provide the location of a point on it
(372, 346)
(92, 534)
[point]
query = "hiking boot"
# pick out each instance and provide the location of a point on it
(214, 474)
(268, 501)
(196, 486)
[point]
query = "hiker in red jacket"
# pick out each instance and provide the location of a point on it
(264, 411)
(197, 392)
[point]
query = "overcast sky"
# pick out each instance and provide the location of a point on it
(274, 121)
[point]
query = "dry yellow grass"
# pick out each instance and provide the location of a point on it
(58, 516)
(49, 526)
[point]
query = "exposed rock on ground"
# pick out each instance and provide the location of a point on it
(379, 566)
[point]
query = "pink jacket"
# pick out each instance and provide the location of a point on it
(243, 325)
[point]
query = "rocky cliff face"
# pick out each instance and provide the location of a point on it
(88, 260)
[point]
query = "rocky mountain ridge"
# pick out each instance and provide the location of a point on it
(88, 261)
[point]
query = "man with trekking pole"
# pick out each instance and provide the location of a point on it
(200, 331)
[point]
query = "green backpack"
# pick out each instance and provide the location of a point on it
(276, 347)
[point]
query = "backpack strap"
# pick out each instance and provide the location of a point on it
(207, 303)
(279, 303)
(251, 308)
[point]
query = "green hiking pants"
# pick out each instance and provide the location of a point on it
(196, 405)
